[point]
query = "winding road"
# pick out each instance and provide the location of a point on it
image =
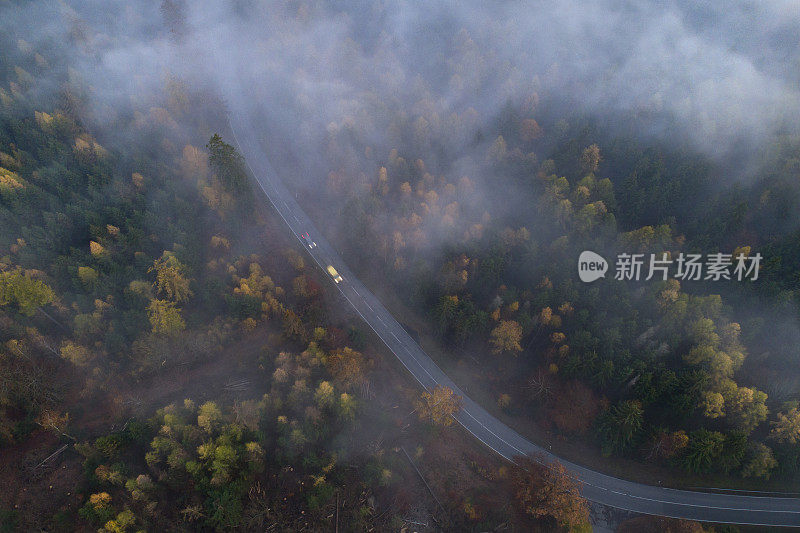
(597, 487)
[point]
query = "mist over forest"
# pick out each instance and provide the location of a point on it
(723, 77)
(172, 358)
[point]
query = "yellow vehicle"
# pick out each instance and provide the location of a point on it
(335, 275)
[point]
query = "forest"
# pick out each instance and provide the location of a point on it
(172, 359)
(690, 375)
(476, 219)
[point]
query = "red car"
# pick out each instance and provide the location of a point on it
(307, 238)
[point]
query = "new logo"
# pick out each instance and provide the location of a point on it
(591, 266)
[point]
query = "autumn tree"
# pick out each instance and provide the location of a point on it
(347, 406)
(760, 462)
(75, 353)
(165, 317)
(305, 287)
(21, 289)
(498, 150)
(786, 429)
(529, 130)
(257, 284)
(746, 407)
(54, 421)
(209, 416)
(590, 159)
(438, 406)
(547, 318)
(665, 444)
(506, 337)
(324, 395)
(88, 276)
(170, 277)
(347, 366)
(293, 326)
(548, 491)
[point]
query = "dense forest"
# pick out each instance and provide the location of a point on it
(477, 221)
(169, 360)
(172, 359)
(646, 370)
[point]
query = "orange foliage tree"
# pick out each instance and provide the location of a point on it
(548, 490)
(439, 406)
(347, 366)
(506, 337)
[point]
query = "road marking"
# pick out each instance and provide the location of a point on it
(400, 358)
(501, 439)
(498, 452)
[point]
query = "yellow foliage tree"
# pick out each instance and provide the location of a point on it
(209, 416)
(439, 406)
(87, 275)
(96, 249)
(54, 421)
(170, 278)
(506, 337)
(19, 287)
(787, 427)
(75, 353)
(165, 317)
(324, 395)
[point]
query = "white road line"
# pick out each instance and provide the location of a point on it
(501, 439)
(401, 359)
(501, 454)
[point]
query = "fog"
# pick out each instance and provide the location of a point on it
(722, 74)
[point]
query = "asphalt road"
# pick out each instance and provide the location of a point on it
(597, 487)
